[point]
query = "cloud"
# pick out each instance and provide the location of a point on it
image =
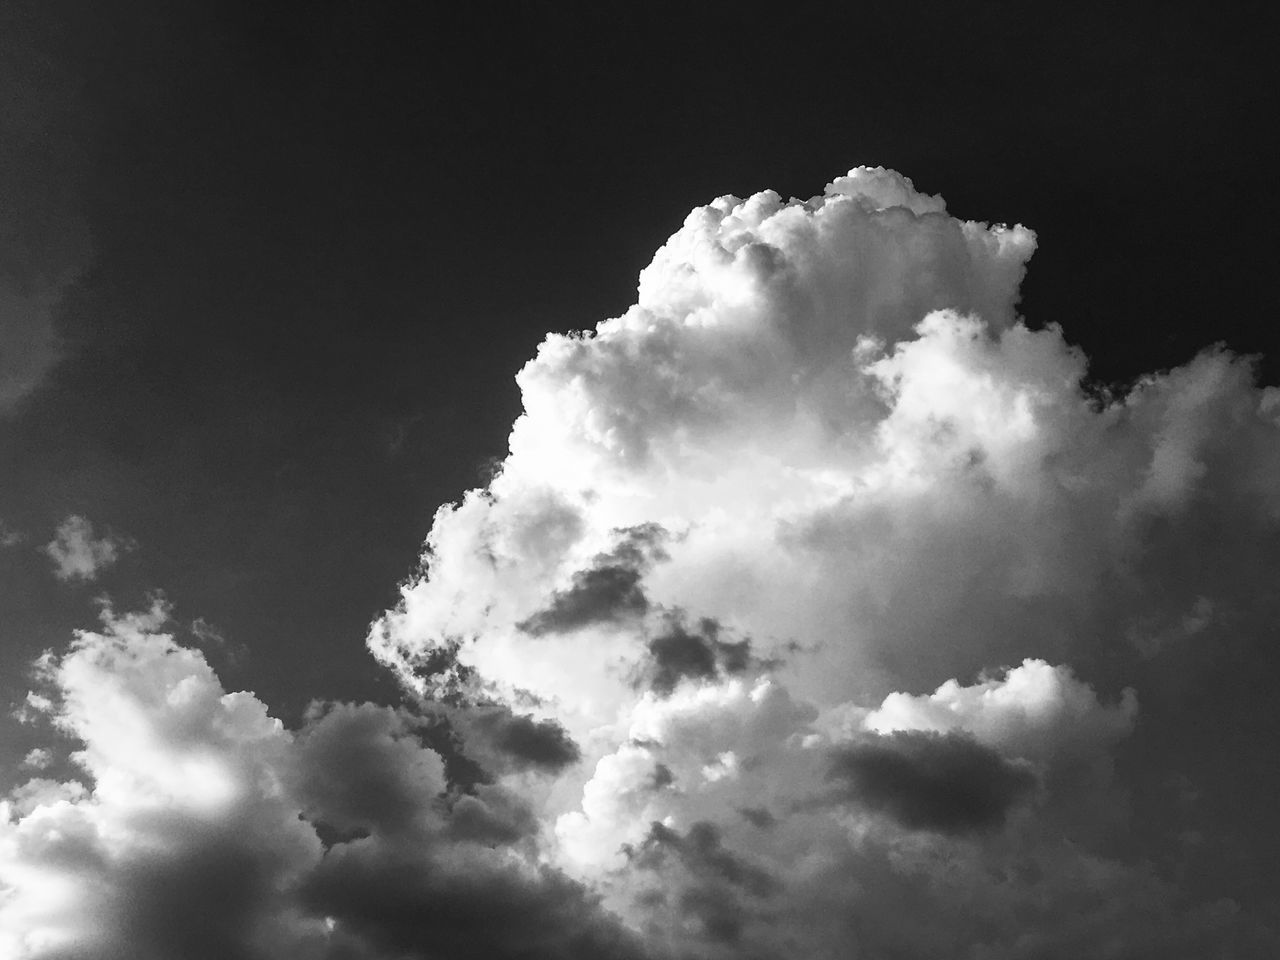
(909, 558)
(359, 767)
(507, 739)
(608, 590)
(208, 830)
(1036, 711)
(77, 554)
(679, 653)
(29, 345)
(717, 885)
(929, 781)
(45, 243)
(819, 609)
(37, 758)
(181, 842)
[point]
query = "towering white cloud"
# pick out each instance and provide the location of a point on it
(820, 469)
(819, 610)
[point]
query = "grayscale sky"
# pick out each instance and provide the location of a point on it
(869, 555)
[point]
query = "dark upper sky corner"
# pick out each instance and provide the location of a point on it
(324, 238)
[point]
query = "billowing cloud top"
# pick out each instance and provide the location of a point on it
(819, 610)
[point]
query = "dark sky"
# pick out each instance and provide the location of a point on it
(314, 242)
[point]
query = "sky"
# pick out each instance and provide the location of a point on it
(632, 481)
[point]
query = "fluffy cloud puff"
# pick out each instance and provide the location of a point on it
(940, 571)
(819, 609)
(205, 829)
(180, 843)
(77, 554)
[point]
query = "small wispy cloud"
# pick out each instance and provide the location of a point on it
(10, 537)
(46, 245)
(79, 555)
(37, 758)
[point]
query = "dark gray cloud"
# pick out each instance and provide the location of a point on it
(698, 653)
(662, 776)
(702, 850)
(463, 904)
(714, 886)
(759, 817)
(518, 740)
(439, 732)
(361, 767)
(446, 680)
(492, 816)
(436, 875)
(207, 905)
(947, 783)
(607, 591)
(600, 594)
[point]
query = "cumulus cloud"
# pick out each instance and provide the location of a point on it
(915, 579)
(77, 554)
(204, 828)
(178, 842)
(819, 609)
(1036, 711)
